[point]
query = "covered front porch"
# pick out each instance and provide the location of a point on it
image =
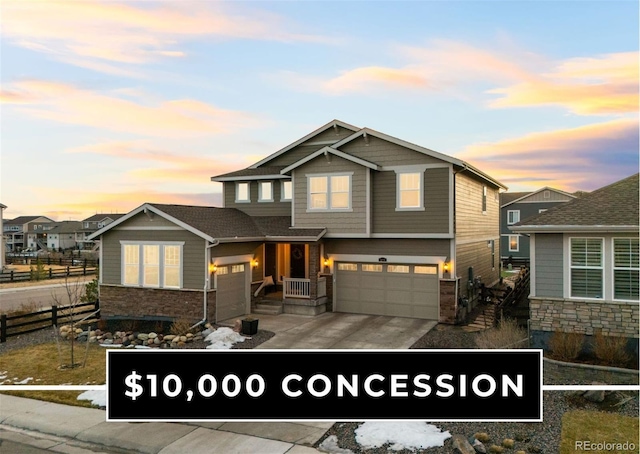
(294, 280)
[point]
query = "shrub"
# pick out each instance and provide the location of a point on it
(482, 436)
(565, 346)
(90, 291)
(506, 335)
(180, 327)
(611, 350)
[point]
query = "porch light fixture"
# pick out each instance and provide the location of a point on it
(254, 263)
(446, 267)
(213, 268)
(326, 262)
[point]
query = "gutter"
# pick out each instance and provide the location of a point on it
(205, 302)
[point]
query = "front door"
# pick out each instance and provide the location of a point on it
(298, 261)
(270, 268)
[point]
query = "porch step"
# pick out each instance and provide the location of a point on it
(268, 308)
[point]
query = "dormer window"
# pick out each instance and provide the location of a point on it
(265, 191)
(242, 192)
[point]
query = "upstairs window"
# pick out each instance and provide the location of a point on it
(410, 190)
(287, 190)
(586, 267)
(330, 192)
(242, 192)
(265, 191)
(626, 269)
(513, 216)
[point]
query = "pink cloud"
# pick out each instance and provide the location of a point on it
(68, 104)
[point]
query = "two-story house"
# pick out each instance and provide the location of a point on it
(22, 232)
(518, 206)
(345, 219)
(63, 235)
(91, 225)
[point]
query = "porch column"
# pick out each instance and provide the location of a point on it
(314, 270)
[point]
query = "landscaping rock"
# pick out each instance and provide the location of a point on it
(183, 339)
(143, 336)
(156, 341)
(153, 335)
(169, 337)
(462, 445)
(478, 446)
(596, 395)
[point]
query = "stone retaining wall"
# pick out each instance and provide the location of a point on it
(561, 373)
(585, 317)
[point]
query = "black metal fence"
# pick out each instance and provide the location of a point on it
(13, 325)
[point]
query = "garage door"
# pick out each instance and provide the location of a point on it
(388, 289)
(231, 293)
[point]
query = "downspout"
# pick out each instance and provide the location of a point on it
(205, 302)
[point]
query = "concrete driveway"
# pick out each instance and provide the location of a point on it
(337, 330)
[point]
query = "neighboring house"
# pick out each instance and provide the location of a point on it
(518, 206)
(343, 219)
(17, 232)
(63, 235)
(3, 246)
(91, 225)
(585, 265)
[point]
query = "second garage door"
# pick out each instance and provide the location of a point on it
(231, 290)
(397, 290)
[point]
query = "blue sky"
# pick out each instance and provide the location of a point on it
(106, 105)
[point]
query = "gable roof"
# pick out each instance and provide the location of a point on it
(330, 150)
(613, 207)
(331, 124)
(101, 216)
(507, 198)
(24, 219)
(524, 195)
(219, 224)
(66, 227)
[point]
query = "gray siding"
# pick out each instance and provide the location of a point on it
(382, 247)
(524, 247)
(554, 196)
(477, 255)
(303, 150)
(549, 265)
(143, 220)
(255, 208)
(470, 222)
(385, 153)
(435, 217)
(353, 221)
(193, 254)
(254, 248)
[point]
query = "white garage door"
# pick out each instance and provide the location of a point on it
(397, 290)
(231, 290)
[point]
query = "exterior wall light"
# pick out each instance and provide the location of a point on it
(213, 268)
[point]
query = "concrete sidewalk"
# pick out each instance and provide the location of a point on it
(87, 427)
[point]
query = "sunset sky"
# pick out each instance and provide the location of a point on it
(106, 105)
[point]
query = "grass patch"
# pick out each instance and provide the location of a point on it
(597, 427)
(42, 363)
(57, 397)
(506, 335)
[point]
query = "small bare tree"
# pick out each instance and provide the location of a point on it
(74, 294)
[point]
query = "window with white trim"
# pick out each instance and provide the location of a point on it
(347, 267)
(513, 216)
(330, 192)
(514, 243)
(265, 191)
(242, 192)
(586, 267)
(626, 269)
(152, 265)
(424, 269)
(410, 191)
(286, 190)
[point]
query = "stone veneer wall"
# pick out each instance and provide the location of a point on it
(576, 316)
(448, 303)
(133, 302)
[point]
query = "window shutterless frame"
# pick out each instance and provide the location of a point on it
(586, 267)
(626, 269)
(243, 192)
(329, 192)
(150, 264)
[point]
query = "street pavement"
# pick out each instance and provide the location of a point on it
(43, 296)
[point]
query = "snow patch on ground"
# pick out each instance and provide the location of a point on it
(96, 397)
(223, 339)
(23, 382)
(330, 444)
(401, 435)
